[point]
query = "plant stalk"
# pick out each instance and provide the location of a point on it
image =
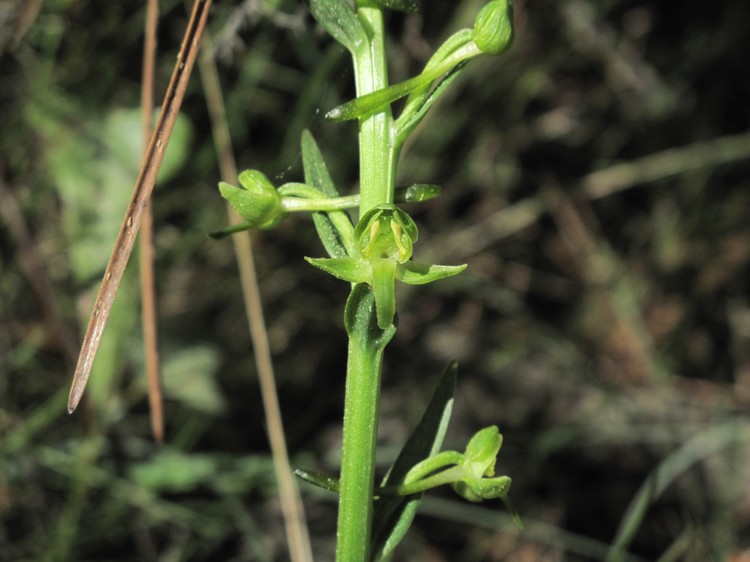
(366, 345)
(366, 341)
(377, 157)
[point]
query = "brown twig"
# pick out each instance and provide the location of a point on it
(139, 201)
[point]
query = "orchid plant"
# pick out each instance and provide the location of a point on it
(371, 254)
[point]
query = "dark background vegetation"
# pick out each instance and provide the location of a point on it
(596, 179)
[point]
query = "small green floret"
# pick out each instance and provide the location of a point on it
(257, 201)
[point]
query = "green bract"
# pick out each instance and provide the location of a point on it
(492, 35)
(259, 203)
(384, 238)
(338, 18)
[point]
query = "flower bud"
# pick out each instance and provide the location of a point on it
(259, 202)
(493, 28)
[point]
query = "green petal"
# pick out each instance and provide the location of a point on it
(413, 273)
(383, 286)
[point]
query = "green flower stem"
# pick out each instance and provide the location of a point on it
(377, 157)
(296, 204)
(447, 476)
(366, 345)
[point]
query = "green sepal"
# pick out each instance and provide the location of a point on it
(413, 273)
(337, 17)
(354, 270)
(257, 201)
(317, 479)
(408, 6)
(493, 28)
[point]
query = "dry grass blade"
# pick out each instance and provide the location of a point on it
(139, 201)
(291, 504)
(148, 289)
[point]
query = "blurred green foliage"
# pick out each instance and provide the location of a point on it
(596, 181)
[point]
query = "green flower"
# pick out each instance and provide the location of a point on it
(385, 238)
(478, 466)
(257, 201)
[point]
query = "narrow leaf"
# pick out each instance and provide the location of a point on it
(335, 229)
(456, 43)
(316, 171)
(336, 232)
(337, 17)
(413, 114)
(394, 514)
(370, 103)
(456, 50)
(316, 479)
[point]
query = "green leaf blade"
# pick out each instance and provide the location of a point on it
(338, 18)
(394, 514)
(314, 165)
